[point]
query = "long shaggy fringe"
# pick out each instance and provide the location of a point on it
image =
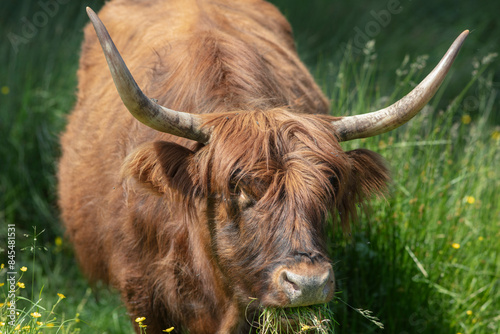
(279, 155)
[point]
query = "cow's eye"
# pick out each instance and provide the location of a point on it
(245, 200)
(240, 196)
(234, 183)
(334, 181)
(234, 189)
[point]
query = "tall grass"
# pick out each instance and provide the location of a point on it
(424, 259)
(52, 297)
(37, 81)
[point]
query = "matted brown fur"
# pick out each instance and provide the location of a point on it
(188, 232)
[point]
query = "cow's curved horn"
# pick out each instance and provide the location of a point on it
(178, 123)
(384, 120)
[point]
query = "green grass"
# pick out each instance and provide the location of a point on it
(424, 259)
(309, 319)
(428, 259)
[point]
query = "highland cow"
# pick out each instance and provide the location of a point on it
(222, 195)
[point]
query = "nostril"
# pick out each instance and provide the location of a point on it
(287, 282)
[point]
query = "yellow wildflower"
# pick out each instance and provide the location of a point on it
(50, 325)
(495, 135)
(39, 323)
(23, 269)
(2, 304)
(466, 119)
(470, 199)
(2, 266)
(2, 324)
(305, 328)
(26, 327)
(36, 315)
(469, 312)
(61, 295)
(142, 325)
(2, 284)
(168, 330)
(58, 241)
(480, 238)
(455, 245)
(140, 319)
(21, 285)
(18, 327)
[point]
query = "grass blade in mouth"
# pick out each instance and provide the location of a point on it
(306, 319)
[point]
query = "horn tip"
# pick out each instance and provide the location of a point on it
(461, 38)
(90, 13)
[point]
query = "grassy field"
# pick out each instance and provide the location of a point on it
(425, 259)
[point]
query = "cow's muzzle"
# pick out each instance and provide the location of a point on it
(305, 283)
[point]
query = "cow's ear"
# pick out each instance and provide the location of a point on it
(369, 176)
(159, 166)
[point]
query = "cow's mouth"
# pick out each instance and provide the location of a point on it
(304, 319)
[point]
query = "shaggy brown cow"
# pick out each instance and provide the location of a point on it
(193, 212)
